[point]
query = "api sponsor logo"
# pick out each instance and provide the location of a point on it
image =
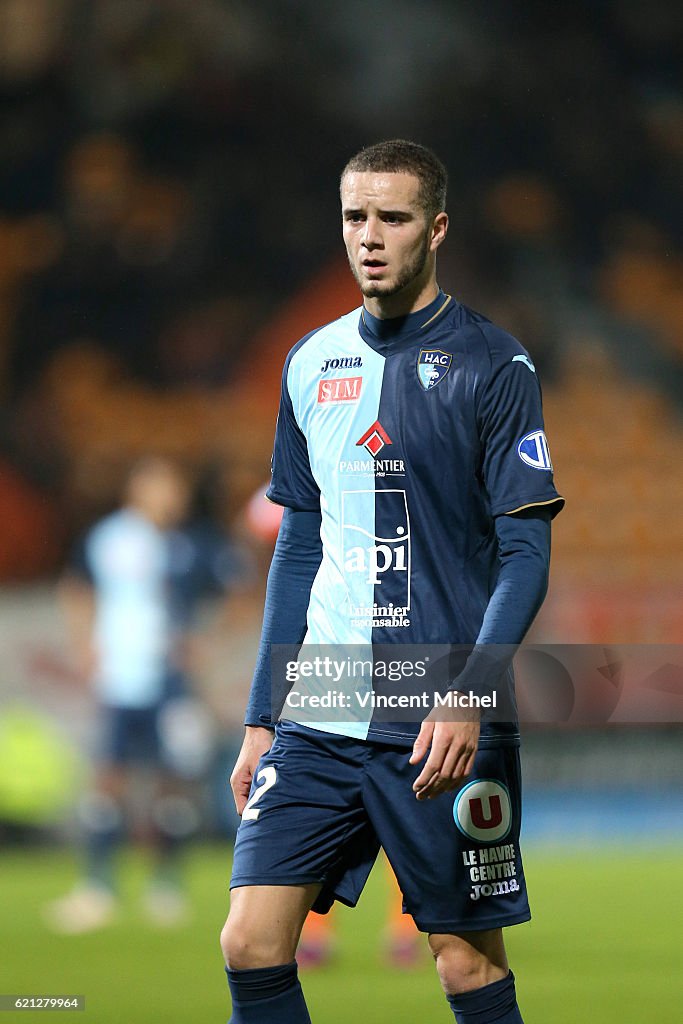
(482, 811)
(341, 363)
(339, 389)
(432, 366)
(533, 450)
(371, 559)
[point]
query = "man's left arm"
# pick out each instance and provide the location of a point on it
(517, 474)
(524, 554)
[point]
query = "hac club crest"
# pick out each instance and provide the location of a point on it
(432, 366)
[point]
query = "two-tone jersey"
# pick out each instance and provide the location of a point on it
(410, 436)
(147, 583)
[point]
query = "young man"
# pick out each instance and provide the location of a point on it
(411, 461)
(130, 595)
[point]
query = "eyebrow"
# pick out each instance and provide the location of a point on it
(403, 214)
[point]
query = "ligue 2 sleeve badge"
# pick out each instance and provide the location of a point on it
(432, 366)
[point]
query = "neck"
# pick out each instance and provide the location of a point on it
(410, 299)
(146, 514)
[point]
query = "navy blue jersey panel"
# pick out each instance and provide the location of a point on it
(292, 482)
(430, 432)
(516, 466)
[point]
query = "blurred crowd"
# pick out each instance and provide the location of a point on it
(168, 229)
(167, 183)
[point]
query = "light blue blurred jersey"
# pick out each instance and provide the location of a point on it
(127, 560)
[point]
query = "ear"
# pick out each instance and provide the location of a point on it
(439, 231)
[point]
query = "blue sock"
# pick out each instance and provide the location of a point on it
(103, 825)
(492, 1004)
(267, 995)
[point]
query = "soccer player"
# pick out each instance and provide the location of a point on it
(129, 597)
(415, 475)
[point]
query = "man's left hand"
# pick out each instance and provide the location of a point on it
(452, 747)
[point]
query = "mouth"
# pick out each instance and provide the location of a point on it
(373, 266)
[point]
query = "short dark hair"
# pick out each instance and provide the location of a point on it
(401, 156)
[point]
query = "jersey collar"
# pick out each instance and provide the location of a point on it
(387, 336)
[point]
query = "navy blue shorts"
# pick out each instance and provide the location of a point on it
(129, 735)
(321, 806)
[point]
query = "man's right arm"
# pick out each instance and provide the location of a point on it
(296, 559)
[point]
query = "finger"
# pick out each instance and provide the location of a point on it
(431, 789)
(240, 784)
(430, 769)
(468, 767)
(451, 773)
(439, 751)
(240, 795)
(431, 772)
(466, 761)
(421, 785)
(440, 783)
(449, 768)
(421, 744)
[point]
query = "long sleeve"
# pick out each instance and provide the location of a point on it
(296, 559)
(524, 555)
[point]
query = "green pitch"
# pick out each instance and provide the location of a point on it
(604, 946)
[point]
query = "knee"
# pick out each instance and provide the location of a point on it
(228, 945)
(245, 946)
(464, 965)
(237, 945)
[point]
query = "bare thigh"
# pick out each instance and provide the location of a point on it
(264, 924)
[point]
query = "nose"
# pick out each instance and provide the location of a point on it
(372, 236)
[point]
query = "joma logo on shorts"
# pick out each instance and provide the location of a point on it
(494, 889)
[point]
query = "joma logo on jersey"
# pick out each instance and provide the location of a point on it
(340, 389)
(341, 363)
(432, 366)
(375, 557)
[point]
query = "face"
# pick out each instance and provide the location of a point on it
(389, 240)
(160, 493)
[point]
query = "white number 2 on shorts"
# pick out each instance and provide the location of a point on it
(269, 776)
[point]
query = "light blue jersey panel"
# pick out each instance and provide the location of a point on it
(344, 472)
(128, 560)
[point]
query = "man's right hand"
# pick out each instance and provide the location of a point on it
(257, 741)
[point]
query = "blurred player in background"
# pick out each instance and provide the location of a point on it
(412, 464)
(129, 597)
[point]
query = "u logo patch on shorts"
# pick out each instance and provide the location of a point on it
(482, 811)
